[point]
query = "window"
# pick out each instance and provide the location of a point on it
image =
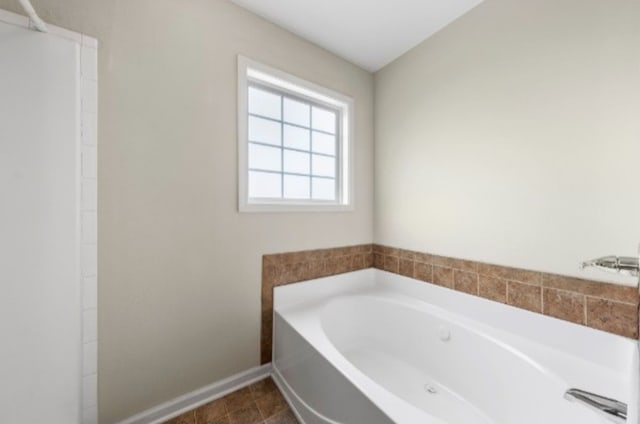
(293, 142)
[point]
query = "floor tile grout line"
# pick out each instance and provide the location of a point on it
(252, 403)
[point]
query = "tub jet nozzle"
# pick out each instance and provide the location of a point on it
(430, 389)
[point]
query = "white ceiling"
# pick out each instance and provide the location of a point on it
(369, 33)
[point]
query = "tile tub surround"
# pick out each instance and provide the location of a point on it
(603, 306)
(259, 403)
(286, 268)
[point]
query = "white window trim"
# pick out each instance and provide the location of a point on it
(251, 70)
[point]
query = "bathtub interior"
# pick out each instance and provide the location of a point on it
(317, 391)
(458, 358)
(458, 371)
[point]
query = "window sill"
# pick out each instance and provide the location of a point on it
(293, 207)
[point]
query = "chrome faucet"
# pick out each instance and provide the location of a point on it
(611, 409)
(626, 265)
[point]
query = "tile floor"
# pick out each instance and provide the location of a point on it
(259, 403)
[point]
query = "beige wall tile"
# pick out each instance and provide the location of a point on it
(443, 276)
(406, 267)
(524, 296)
(492, 288)
(591, 288)
(569, 306)
(512, 274)
(465, 282)
(614, 317)
(423, 272)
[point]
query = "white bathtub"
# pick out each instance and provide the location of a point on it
(372, 347)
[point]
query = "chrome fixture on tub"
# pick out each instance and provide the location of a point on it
(621, 264)
(626, 265)
(611, 409)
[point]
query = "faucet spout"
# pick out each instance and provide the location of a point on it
(626, 265)
(611, 409)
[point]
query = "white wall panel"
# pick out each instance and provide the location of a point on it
(47, 235)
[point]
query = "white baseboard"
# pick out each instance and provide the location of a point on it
(177, 406)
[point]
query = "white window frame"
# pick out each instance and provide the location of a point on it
(251, 71)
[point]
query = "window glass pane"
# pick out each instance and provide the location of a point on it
(264, 131)
(323, 166)
(264, 103)
(323, 188)
(296, 138)
(324, 143)
(264, 157)
(265, 185)
(293, 148)
(296, 187)
(296, 162)
(296, 112)
(324, 120)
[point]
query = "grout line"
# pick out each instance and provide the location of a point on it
(586, 312)
(606, 299)
(523, 283)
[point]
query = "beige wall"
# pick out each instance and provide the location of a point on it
(513, 137)
(179, 284)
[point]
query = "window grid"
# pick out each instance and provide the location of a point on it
(292, 149)
(293, 174)
(310, 148)
(282, 121)
(282, 145)
(291, 124)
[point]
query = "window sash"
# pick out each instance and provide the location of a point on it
(285, 94)
(252, 72)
